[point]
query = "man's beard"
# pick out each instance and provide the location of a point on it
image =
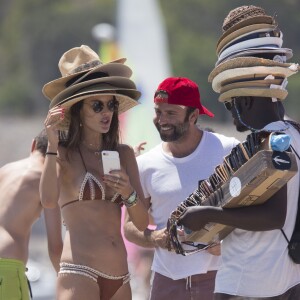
(174, 133)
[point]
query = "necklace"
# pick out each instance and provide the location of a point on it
(91, 147)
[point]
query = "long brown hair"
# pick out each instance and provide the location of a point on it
(72, 138)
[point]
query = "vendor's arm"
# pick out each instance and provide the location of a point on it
(267, 216)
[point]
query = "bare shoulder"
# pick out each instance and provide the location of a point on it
(125, 150)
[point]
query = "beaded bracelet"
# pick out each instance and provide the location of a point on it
(132, 200)
(51, 153)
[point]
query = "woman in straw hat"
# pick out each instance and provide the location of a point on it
(85, 105)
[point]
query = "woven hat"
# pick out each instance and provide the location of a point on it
(257, 38)
(248, 68)
(270, 53)
(113, 86)
(241, 33)
(255, 83)
(256, 62)
(115, 83)
(280, 94)
(244, 16)
(80, 62)
(275, 42)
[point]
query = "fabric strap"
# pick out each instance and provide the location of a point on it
(297, 223)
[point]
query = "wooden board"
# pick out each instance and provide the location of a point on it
(252, 184)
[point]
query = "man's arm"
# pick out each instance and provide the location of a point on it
(54, 235)
(267, 216)
(147, 238)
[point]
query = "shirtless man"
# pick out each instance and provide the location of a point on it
(20, 207)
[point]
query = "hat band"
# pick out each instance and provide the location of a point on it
(85, 67)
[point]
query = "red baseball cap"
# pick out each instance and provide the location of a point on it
(180, 91)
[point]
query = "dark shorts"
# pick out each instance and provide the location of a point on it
(200, 287)
(291, 294)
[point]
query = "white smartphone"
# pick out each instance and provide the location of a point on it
(110, 161)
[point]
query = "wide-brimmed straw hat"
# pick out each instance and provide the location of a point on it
(279, 94)
(248, 68)
(255, 83)
(80, 62)
(115, 83)
(127, 97)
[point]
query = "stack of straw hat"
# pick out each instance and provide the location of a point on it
(84, 74)
(251, 59)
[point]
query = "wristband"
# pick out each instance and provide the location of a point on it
(51, 153)
(131, 201)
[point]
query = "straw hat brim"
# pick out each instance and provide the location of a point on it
(52, 88)
(248, 22)
(280, 94)
(251, 73)
(250, 63)
(114, 81)
(242, 32)
(257, 52)
(125, 103)
(263, 83)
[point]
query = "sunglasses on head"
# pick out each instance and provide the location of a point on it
(112, 105)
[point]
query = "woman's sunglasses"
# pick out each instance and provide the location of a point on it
(112, 105)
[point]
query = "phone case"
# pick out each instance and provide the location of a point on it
(110, 161)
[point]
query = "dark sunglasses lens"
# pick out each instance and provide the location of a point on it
(113, 105)
(97, 106)
(228, 105)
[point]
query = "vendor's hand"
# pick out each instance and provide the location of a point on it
(118, 180)
(215, 250)
(194, 218)
(160, 238)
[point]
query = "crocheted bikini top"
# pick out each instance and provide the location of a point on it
(92, 189)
